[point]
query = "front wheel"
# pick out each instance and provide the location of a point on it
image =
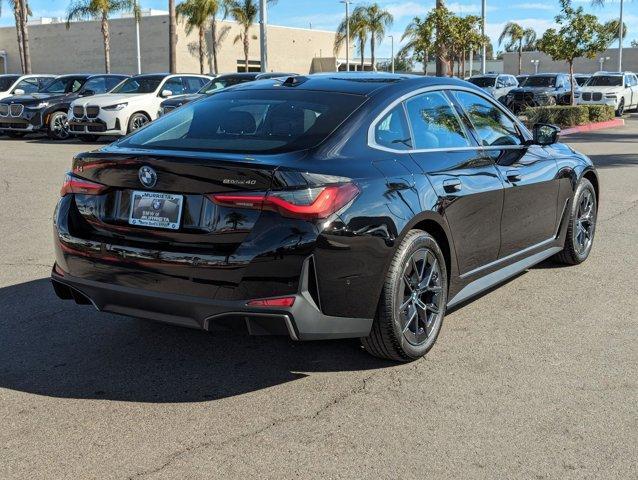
(412, 305)
(58, 127)
(621, 108)
(582, 225)
(137, 120)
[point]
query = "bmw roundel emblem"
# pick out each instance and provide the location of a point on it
(147, 176)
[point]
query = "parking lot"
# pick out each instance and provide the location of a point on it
(536, 379)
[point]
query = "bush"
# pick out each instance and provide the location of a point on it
(601, 113)
(569, 115)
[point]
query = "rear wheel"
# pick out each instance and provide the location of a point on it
(58, 127)
(582, 225)
(137, 120)
(88, 138)
(413, 301)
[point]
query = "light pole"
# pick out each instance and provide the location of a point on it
(136, 14)
(391, 37)
(484, 47)
(347, 4)
(263, 25)
(535, 63)
(620, 35)
(601, 60)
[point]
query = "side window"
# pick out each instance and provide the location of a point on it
(111, 82)
(29, 85)
(193, 84)
(435, 123)
(175, 85)
(492, 125)
(77, 84)
(392, 131)
(513, 81)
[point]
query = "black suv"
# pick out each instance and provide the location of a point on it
(540, 90)
(46, 110)
(329, 206)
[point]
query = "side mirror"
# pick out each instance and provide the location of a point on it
(545, 134)
(18, 91)
(166, 94)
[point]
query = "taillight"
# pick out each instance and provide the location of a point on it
(73, 184)
(310, 203)
(272, 302)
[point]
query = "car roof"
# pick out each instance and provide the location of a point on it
(488, 75)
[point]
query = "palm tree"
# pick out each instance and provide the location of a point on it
(358, 30)
(100, 10)
(376, 21)
(196, 13)
(244, 12)
(172, 37)
(519, 38)
(621, 34)
(21, 29)
(418, 36)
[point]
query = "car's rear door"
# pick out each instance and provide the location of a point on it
(467, 183)
(529, 174)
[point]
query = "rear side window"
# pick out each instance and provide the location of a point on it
(193, 84)
(491, 123)
(434, 122)
(392, 131)
(251, 121)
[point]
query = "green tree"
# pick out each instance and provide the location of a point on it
(579, 35)
(376, 20)
(358, 31)
(465, 37)
(519, 39)
(419, 38)
(244, 12)
(197, 14)
(100, 10)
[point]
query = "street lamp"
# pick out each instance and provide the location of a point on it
(535, 62)
(347, 4)
(620, 35)
(263, 41)
(391, 37)
(136, 11)
(601, 60)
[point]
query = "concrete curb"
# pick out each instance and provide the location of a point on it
(616, 122)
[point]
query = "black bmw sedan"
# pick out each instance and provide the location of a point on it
(46, 111)
(328, 206)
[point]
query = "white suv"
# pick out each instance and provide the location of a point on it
(22, 84)
(129, 106)
(497, 85)
(620, 90)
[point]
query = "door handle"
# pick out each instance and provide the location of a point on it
(451, 186)
(513, 175)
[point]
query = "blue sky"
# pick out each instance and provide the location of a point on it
(326, 14)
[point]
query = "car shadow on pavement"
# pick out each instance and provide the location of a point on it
(56, 348)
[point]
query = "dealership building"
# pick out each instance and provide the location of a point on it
(56, 49)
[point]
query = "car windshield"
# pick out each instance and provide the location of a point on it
(605, 81)
(521, 81)
(139, 85)
(483, 81)
(57, 86)
(6, 82)
(581, 80)
(255, 121)
(540, 81)
(223, 82)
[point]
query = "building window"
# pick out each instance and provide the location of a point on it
(253, 65)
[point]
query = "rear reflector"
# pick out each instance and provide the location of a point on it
(73, 184)
(272, 302)
(308, 204)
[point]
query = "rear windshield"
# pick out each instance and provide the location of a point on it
(6, 82)
(251, 121)
(605, 81)
(540, 81)
(138, 85)
(483, 81)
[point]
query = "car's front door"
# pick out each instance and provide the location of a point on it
(467, 184)
(529, 174)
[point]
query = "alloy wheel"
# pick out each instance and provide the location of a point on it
(139, 121)
(585, 222)
(420, 298)
(60, 126)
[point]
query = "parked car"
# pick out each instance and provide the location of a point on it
(46, 111)
(581, 78)
(521, 79)
(129, 106)
(327, 206)
(619, 90)
(216, 84)
(539, 90)
(21, 84)
(496, 84)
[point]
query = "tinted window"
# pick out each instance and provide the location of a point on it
(6, 82)
(260, 121)
(175, 85)
(483, 81)
(95, 85)
(605, 81)
(224, 82)
(540, 81)
(193, 84)
(581, 80)
(392, 131)
(29, 85)
(491, 123)
(111, 82)
(434, 122)
(57, 86)
(139, 85)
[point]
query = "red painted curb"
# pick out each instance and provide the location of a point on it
(616, 122)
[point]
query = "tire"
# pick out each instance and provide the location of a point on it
(582, 225)
(88, 138)
(58, 127)
(137, 120)
(551, 101)
(402, 335)
(621, 108)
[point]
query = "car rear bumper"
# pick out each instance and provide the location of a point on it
(302, 321)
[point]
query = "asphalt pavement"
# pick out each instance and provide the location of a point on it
(536, 379)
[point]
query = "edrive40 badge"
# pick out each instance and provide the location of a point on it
(147, 176)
